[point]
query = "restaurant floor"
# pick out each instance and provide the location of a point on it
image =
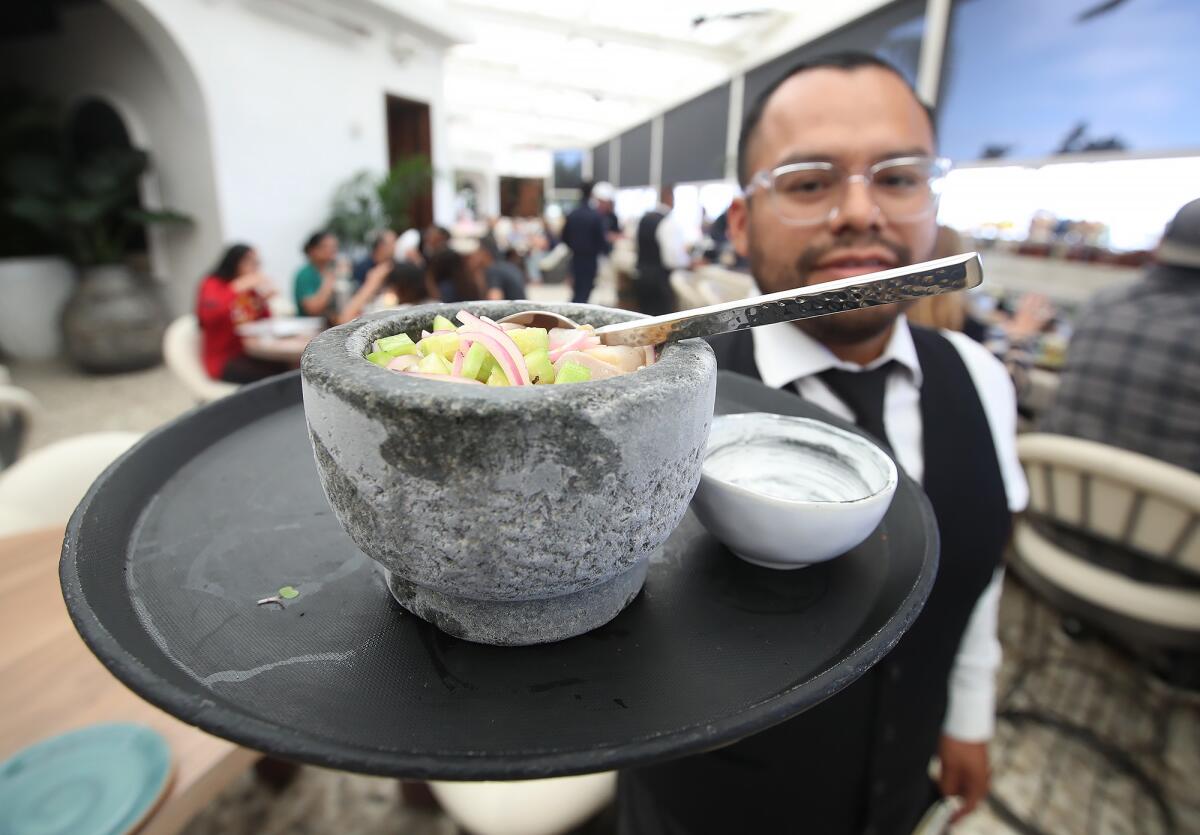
(1139, 738)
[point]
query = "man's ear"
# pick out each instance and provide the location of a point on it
(739, 226)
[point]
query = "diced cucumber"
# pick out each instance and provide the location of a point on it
(497, 378)
(473, 364)
(395, 345)
(381, 357)
(441, 323)
(530, 339)
(541, 370)
(573, 372)
(434, 364)
(442, 344)
(489, 365)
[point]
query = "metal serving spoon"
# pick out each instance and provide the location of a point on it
(929, 278)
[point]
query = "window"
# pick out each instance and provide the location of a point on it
(1027, 79)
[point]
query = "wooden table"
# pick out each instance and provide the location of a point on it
(50, 683)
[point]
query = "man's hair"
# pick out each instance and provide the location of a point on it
(848, 60)
(311, 242)
(586, 189)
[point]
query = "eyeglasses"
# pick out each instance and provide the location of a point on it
(808, 193)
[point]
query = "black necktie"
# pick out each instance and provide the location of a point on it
(863, 392)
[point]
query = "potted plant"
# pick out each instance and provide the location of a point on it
(366, 203)
(35, 279)
(87, 204)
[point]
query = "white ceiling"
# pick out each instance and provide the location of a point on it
(546, 74)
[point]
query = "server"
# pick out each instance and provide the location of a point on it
(660, 249)
(838, 165)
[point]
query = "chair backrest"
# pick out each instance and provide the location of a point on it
(1123, 497)
(181, 352)
(43, 488)
(686, 289)
(17, 410)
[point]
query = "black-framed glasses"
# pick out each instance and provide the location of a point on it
(809, 193)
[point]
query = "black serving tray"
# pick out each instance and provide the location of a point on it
(165, 557)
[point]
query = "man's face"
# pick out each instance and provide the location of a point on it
(853, 119)
(325, 250)
(386, 246)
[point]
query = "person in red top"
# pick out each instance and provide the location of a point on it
(235, 293)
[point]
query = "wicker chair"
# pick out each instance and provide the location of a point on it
(1113, 538)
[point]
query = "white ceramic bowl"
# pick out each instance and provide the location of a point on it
(786, 492)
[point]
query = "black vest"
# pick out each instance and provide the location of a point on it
(649, 256)
(857, 762)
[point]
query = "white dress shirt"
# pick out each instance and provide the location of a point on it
(785, 356)
(671, 246)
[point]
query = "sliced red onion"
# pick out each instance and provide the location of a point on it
(443, 377)
(499, 344)
(403, 362)
(515, 370)
(459, 358)
(561, 336)
(509, 326)
(425, 334)
(577, 344)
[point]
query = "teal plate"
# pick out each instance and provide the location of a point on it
(99, 780)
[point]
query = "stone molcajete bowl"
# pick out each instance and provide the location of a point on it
(507, 515)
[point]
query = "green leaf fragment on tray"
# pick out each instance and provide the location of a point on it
(288, 593)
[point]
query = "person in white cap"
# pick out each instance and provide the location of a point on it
(605, 198)
(1132, 377)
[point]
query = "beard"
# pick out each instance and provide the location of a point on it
(849, 327)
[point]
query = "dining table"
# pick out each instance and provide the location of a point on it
(52, 684)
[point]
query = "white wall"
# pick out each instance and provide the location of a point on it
(253, 110)
(99, 53)
(296, 106)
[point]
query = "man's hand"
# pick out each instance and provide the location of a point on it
(965, 772)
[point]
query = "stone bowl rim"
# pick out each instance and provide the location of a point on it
(337, 357)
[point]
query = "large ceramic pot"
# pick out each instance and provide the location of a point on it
(114, 321)
(32, 294)
(507, 515)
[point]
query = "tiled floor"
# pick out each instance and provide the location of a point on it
(1049, 778)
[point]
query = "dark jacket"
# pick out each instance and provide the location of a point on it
(585, 232)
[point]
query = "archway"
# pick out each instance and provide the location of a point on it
(95, 128)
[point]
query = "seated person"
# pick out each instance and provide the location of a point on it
(407, 285)
(1132, 377)
(453, 278)
(315, 285)
(503, 278)
(373, 286)
(433, 240)
(234, 294)
(381, 250)
(316, 282)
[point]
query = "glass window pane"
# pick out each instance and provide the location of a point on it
(1027, 79)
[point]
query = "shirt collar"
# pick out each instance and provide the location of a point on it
(785, 354)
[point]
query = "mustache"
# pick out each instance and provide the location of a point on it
(850, 239)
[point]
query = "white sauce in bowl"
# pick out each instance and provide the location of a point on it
(794, 460)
